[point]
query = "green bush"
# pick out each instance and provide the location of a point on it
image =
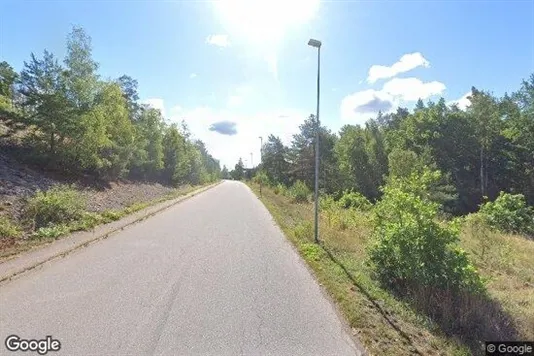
(261, 177)
(509, 213)
(411, 249)
(311, 251)
(58, 205)
(51, 232)
(8, 229)
(299, 192)
(354, 200)
(112, 215)
(88, 221)
(280, 189)
(304, 231)
(327, 202)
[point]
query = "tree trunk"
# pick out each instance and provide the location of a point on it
(52, 143)
(486, 180)
(482, 171)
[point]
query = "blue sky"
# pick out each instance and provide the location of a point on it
(206, 62)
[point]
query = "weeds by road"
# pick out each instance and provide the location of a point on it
(388, 324)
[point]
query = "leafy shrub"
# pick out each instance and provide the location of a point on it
(282, 189)
(261, 177)
(8, 229)
(354, 200)
(311, 251)
(112, 215)
(304, 231)
(411, 248)
(299, 192)
(327, 202)
(135, 207)
(88, 221)
(60, 204)
(429, 184)
(51, 232)
(509, 213)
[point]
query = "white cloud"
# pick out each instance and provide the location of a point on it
(359, 107)
(411, 89)
(218, 40)
(463, 102)
(272, 62)
(176, 110)
(193, 75)
(406, 63)
(156, 103)
(234, 101)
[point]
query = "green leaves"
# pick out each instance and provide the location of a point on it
(87, 125)
(58, 205)
(509, 213)
(300, 192)
(411, 248)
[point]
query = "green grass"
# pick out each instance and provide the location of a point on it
(8, 229)
(386, 324)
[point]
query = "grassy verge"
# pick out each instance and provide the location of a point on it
(385, 324)
(17, 237)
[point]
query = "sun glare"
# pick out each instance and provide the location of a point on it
(265, 20)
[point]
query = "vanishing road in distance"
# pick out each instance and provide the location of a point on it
(212, 275)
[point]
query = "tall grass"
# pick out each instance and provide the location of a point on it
(61, 204)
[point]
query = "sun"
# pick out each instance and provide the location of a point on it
(264, 21)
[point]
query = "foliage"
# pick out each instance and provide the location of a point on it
(239, 171)
(479, 151)
(111, 215)
(304, 230)
(274, 160)
(354, 200)
(59, 204)
(8, 229)
(280, 189)
(300, 192)
(75, 121)
(362, 158)
(261, 177)
(411, 249)
(509, 213)
(51, 232)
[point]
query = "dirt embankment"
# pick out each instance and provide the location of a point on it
(18, 181)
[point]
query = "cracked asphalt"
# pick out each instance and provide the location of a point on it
(212, 275)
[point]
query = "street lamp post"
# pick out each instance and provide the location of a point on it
(317, 44)
(261, 161)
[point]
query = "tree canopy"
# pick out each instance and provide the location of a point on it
(480, 151)
(73, 120)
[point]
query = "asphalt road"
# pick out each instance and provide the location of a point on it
(210, 276)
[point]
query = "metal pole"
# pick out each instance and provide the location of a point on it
(317, 148)
(261, 161)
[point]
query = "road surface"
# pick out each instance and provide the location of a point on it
(210, 276)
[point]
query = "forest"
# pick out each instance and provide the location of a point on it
(480, 151)
(64, 116)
